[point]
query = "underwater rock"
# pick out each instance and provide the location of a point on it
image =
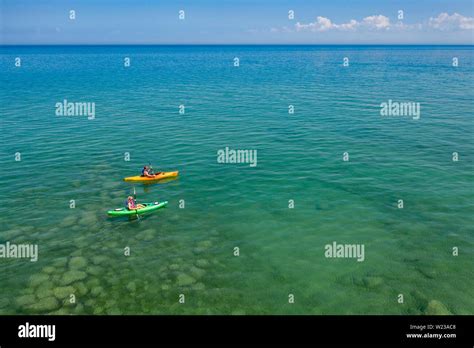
(202, 247)
(77, 252)
(61, 311)
(110, 304)
(197, 272)
(63, 292)
(25, 300)
(184, 279)
(113, 245)
(429, 273)
(81, 288)
(238, 312)
(48, 270)
(88, 220)
(114, 311)
(420, 301)
(92, 283)
(4, 303)
(112, 280)
(146, 235)
(98, 310)
(99, 259)
(77, 262)
(55, 278)
(82, 244)
(37, 279)
(205, 244)
(60, 262)
(198, 250)
(372, 282)
(437, 308)
(174, 218)
(94, 270)
(202, 263)
(72, 276)
(28, 291)
(68, 221)
(79, 308)
(46, 304)
(174, 267)
(132, 287)
(98, 291)
(44, 290)
(90, 303)
(199, 286)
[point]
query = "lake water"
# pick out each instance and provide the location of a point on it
(190, 250)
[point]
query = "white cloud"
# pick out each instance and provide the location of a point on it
(444, 21)
(376, 22)
(325, 24)
(351, 25)
(321, 24)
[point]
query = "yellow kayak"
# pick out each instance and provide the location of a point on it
(159, 176)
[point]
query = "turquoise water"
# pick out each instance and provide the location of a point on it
(190, 250)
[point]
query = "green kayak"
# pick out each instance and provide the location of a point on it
(148, 208)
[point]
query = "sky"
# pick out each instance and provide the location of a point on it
(236, 22)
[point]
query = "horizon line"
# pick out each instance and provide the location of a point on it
(240, 44)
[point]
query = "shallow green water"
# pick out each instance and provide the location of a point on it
(190, 251)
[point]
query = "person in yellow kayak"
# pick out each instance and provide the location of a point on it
(147, 172)
(132, 204)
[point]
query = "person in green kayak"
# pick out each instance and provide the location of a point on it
(132, 204)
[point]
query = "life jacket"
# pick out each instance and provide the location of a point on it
(134, 204)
